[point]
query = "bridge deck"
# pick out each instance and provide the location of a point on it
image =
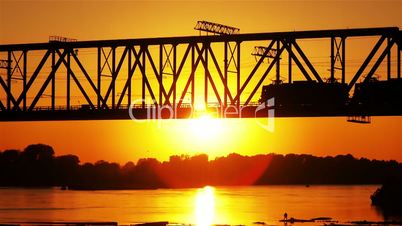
(253, 111)
(202, 39)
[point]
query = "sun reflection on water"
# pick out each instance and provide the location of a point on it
(205, 206)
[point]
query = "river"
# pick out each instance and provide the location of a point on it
(202, 206)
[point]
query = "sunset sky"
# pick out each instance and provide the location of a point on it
(124, 140)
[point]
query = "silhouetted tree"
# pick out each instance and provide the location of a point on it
(37, 166)
(66, 169)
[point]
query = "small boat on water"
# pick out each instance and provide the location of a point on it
(317, 219)
(295, 220)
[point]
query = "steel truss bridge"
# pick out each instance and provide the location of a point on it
(29, 91)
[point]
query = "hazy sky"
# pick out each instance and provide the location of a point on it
(34, 21)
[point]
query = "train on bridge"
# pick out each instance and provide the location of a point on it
(373, 96)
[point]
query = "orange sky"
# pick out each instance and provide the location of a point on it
(29, 21)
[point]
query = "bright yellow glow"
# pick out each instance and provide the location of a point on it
(205, 206)
(205, 127)
(199, 106)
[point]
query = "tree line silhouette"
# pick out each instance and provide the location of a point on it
(37, 165)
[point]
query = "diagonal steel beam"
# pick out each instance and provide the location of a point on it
(106, 60)
(145, 78)
(33, 77)
(379, 60)
(191, 77)
(297, 61)
(366, 62)
(46, 83)
(17, 63)
(158, 75)
(8, 91)
(308, 63)
(114, 76)
(232, 54)
(220, 74)
(130, 74)
(211, 81)
(168, 54)
(236, 99)
(77, 82)
(88, 77)
(264, 75)
(2, 106)
(82, 89)
(179, 71)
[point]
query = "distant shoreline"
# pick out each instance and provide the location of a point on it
(37, 166)
(150, 189)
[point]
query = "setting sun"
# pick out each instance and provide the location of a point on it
(205, 127)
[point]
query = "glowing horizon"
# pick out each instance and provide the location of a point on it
(123, 140)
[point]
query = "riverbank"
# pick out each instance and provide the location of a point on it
(238, 205)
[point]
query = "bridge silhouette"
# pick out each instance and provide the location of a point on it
(29, 91)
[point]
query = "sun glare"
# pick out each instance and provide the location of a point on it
(205, 206)
(205, 127)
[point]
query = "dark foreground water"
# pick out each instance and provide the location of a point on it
(219, 205)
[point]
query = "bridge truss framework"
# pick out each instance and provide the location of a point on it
(199, 52)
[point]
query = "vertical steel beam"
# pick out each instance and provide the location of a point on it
(53, 96)
(68, 78)
(225, 80)
(99, 77)
(129, 77)
(192, 75)
(24, 81)
(174, 77)
(113, 76)
(332, 79)
(206, 46)
(143, 78)
(9, 93)
(389, 59)
(238, 75)
(398, 56)
(160, 73)
(343, 60)
(290, 62)
(278, 73)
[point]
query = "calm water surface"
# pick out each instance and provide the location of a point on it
(219, 205)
